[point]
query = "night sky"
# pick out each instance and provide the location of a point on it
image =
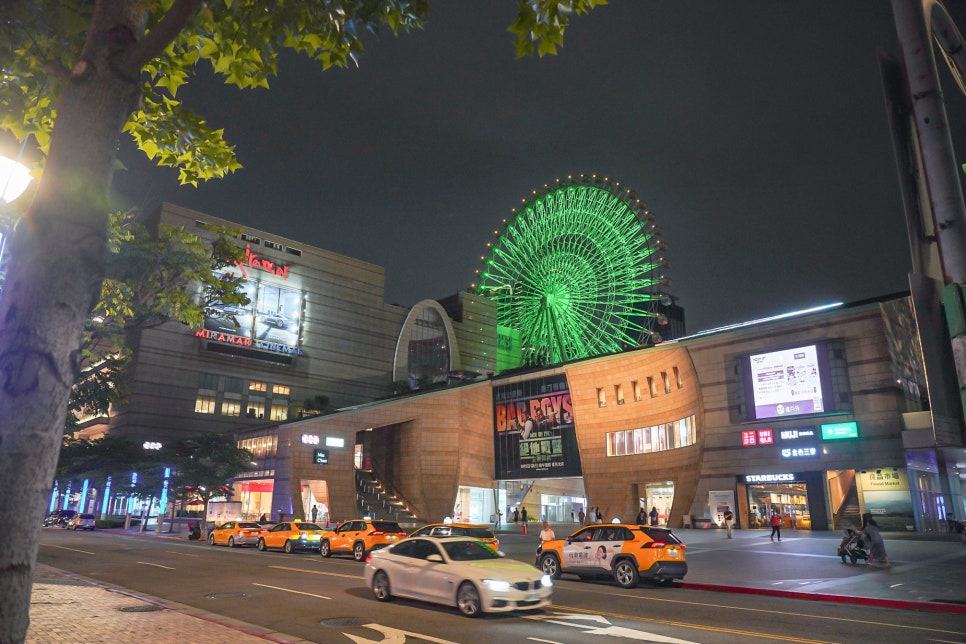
(755, 131)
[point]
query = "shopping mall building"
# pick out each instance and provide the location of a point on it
(820, 415)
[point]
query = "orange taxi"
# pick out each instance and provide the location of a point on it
(291, 536)
(235, 533)
(359, 537)
(623, 551)
(481, 533)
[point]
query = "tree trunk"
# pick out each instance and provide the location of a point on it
(55, 273)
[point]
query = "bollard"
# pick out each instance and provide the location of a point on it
(524, 527)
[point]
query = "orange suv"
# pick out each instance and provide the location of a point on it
(623, 551)
(359, 537)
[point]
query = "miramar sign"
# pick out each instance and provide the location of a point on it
(252, 260)
(227, 338)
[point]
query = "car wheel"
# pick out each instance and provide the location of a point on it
(211, 539)
(289, 548)
(359, 551)
(261, 545)
(380, 587)
(625, 574)
(324, 549)
(550, 566)
(853, 558)
(468, 600)
(231, 542)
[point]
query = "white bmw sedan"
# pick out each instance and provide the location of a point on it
(456, 571)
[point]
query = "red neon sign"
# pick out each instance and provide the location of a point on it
(749, 438)
(254, 261)
(227, 338)
(766, 437)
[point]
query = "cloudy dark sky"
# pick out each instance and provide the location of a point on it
(755, 130)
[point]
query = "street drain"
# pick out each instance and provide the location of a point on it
(345, 622)
(146, 608)
(228, 596)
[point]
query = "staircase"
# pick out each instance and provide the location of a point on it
(849, 514)
(374, 499)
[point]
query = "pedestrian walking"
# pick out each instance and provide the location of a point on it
(776, 525)
(729, 519)
(581, 517)
(523, 513)
(546, 534)
(654, 515)
(870, 530)
(315, 513)
(641, 517)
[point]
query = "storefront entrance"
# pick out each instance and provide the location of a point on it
(786, 496)
(660, 496)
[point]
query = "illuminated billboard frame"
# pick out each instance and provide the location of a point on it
(533, 430)
(787, 383)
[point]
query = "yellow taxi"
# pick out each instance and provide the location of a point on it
(291, 536)
(235, 533)
(358, 537)
(623, 551)
(481, 533)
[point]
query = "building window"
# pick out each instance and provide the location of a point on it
(256, 409)
(667, 382)
(636, 387)
(204, 404)
(208, 381)
(279, 412)
(281, 390)
(657, 438)
(234, 385)
(601, 397)
(231, 407)
(619, 394)
(651, 388)
(257, 386)
(677, 377)
(261, 447)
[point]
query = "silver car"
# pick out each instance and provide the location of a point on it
(81, 522)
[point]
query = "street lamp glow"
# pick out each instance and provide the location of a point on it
(14, 179)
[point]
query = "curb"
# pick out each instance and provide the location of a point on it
(900, 604)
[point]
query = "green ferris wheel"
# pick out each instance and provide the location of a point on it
(575, 273)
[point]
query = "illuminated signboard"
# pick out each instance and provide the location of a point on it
(798, 433)
(800, 452)
(310, 439)
(757, 437)
(252, 260)
(320, 456)
(334, 441)
(151, 445)
(769, 478)
(837, 431)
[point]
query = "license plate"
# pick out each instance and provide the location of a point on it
(532, 597)
(672, 552)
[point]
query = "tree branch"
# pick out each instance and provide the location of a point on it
(155, 40)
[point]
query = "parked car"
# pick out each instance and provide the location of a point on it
(477, 531)
(623, 551)
(456, 571)
(236, 533)
(81, 522)
(359, 537)
(290, 536)
(59, 518)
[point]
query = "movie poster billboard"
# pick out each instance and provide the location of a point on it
(534, 433)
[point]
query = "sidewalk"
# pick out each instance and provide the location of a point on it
(927, 573)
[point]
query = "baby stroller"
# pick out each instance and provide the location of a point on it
(852, 547)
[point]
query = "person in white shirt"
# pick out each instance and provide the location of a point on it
(547, 533)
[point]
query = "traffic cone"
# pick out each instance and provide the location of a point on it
(524, 527)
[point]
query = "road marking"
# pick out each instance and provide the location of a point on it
(769, 611)
(318, 572)
(289, 590)
(183, 554)
(47, 545)
(537, 639)
(392, 636)
(627, 633)
(148, 563)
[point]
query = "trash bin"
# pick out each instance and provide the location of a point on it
(687, 521)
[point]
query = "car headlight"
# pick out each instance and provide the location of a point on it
(546, 581)
(496, 585)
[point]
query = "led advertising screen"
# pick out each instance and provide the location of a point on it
(270, 321)
(787, 383)
(534, 434)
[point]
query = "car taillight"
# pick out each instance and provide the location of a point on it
(657, 544)
(368, 557)
(376, 533)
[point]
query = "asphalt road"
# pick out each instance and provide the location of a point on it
(326, 600)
